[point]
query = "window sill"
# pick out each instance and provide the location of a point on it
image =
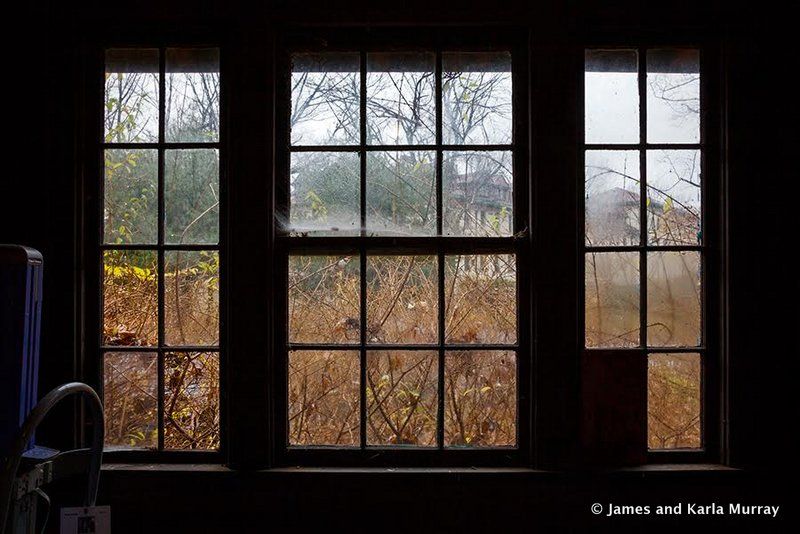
(643, 470)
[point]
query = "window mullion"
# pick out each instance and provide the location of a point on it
(161, 217)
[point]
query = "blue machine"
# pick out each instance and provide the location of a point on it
(20, 323)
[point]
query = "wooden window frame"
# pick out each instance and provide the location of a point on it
(549, 173)
(712, 348)
(439, 246)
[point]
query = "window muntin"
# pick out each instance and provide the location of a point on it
(644, 246)
(440, 317)
(160, 250)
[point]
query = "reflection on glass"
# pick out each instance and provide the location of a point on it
(130, 399)
(324, 299)
(402, 300)
(611, 96)
(612, 192)
(326, 92)
(673, 96)
(674, 197)
(325, 194)
(324, 398)
(476, 98)
(131, 96)
(401, 99)
(191, 112)
(477, 194)
(673, 299)
(401, 397)
(130, 196)
(480, 298)
(191, 400)
(401, 193)
(480, 398)
(673, 401)
(191, 297)
(612, 299)
(130, 297)
(191, 196)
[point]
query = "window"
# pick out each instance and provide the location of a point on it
(160, 249)
(391, 260)
(645, 248)
(399, 210)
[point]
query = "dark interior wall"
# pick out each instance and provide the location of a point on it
(41, 189)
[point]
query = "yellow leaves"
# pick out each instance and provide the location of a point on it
(117, 271)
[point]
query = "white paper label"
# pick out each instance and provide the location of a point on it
(86, 520)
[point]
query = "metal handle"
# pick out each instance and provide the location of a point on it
(32, 421)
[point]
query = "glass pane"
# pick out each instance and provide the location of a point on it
(476, 94)
(401, 397)
(401, 99)
(612, 197)
(402, 303)
(191, 297)
(673, 299)
(480, 299)
(673, 96)
(326, 92)
(131, 96)
(673, 401)
(611, 103)
(477, 195)
(612, 299)
(324, 299)
(324, 398)
(191, 400)
(480, 398)
(192, 95)
(325, 193)
(673, 197)
(191, 196)
(130, 211)
(130, 399)
(401, 193)
(130, 297)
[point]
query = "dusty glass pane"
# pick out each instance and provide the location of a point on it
(477, 194)
(131, 96)
(325, 194)
(326, 91)
(191, 297)
(612, 299)
(191, 196)
(611, 100)
(674, 197)
(476, 98)
(480, 294)
(401, 193)
(673, 299)
(130, 399)
(402, 398)
(612, 200)
(480, 398)
(401, 99)
(673, 96)
(673, 401)
(402, 303)
(324, 299)
(191, 400)
(192, 95)
(324, 398)
(130, 297)
(130, 209)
